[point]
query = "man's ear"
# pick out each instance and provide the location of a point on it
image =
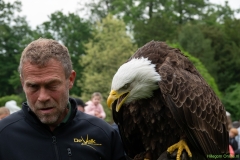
(72, 79)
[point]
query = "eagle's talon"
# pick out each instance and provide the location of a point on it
(180, 146)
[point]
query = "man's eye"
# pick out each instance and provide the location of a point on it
(32, 86)
(53, 87)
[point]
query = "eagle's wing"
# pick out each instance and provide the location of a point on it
(194, 105)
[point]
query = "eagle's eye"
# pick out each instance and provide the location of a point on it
(125, 86)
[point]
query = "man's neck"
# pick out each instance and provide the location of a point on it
(61, 119)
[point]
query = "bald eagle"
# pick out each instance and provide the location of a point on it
(161, 103)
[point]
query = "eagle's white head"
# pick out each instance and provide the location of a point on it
(134, 80)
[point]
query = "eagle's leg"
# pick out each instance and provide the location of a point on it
(180, 146)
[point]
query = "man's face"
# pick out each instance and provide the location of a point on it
(47, 91)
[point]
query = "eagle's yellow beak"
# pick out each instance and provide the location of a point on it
(114, 95)
(111, 98)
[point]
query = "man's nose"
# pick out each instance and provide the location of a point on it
(43, 95)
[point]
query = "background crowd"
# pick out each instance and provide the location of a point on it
(9, 108)
(234, 137)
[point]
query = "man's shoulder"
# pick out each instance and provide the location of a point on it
(93, 121)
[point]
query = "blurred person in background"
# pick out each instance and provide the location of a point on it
(94, 106)
(12, 106)
(233, 132)
(4, 112)
(236, 124)
(80, 104)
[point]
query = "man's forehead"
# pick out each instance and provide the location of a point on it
(40, 64)
(51, 66)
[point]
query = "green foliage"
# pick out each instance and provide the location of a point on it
(231, 101)
(225, 42)
(188, 10)
(109, 48)
(129, 10)
(193, 41)
(150, 19)
(201, 68)
(4, 99)
(14, 30)
(132, 11)
(222, 28)
(159, 28)
(73, 32)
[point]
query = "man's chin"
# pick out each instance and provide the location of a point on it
(48, 120)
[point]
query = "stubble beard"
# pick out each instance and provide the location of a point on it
(51, 119)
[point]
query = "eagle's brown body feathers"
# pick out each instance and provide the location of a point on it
(183, 106)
